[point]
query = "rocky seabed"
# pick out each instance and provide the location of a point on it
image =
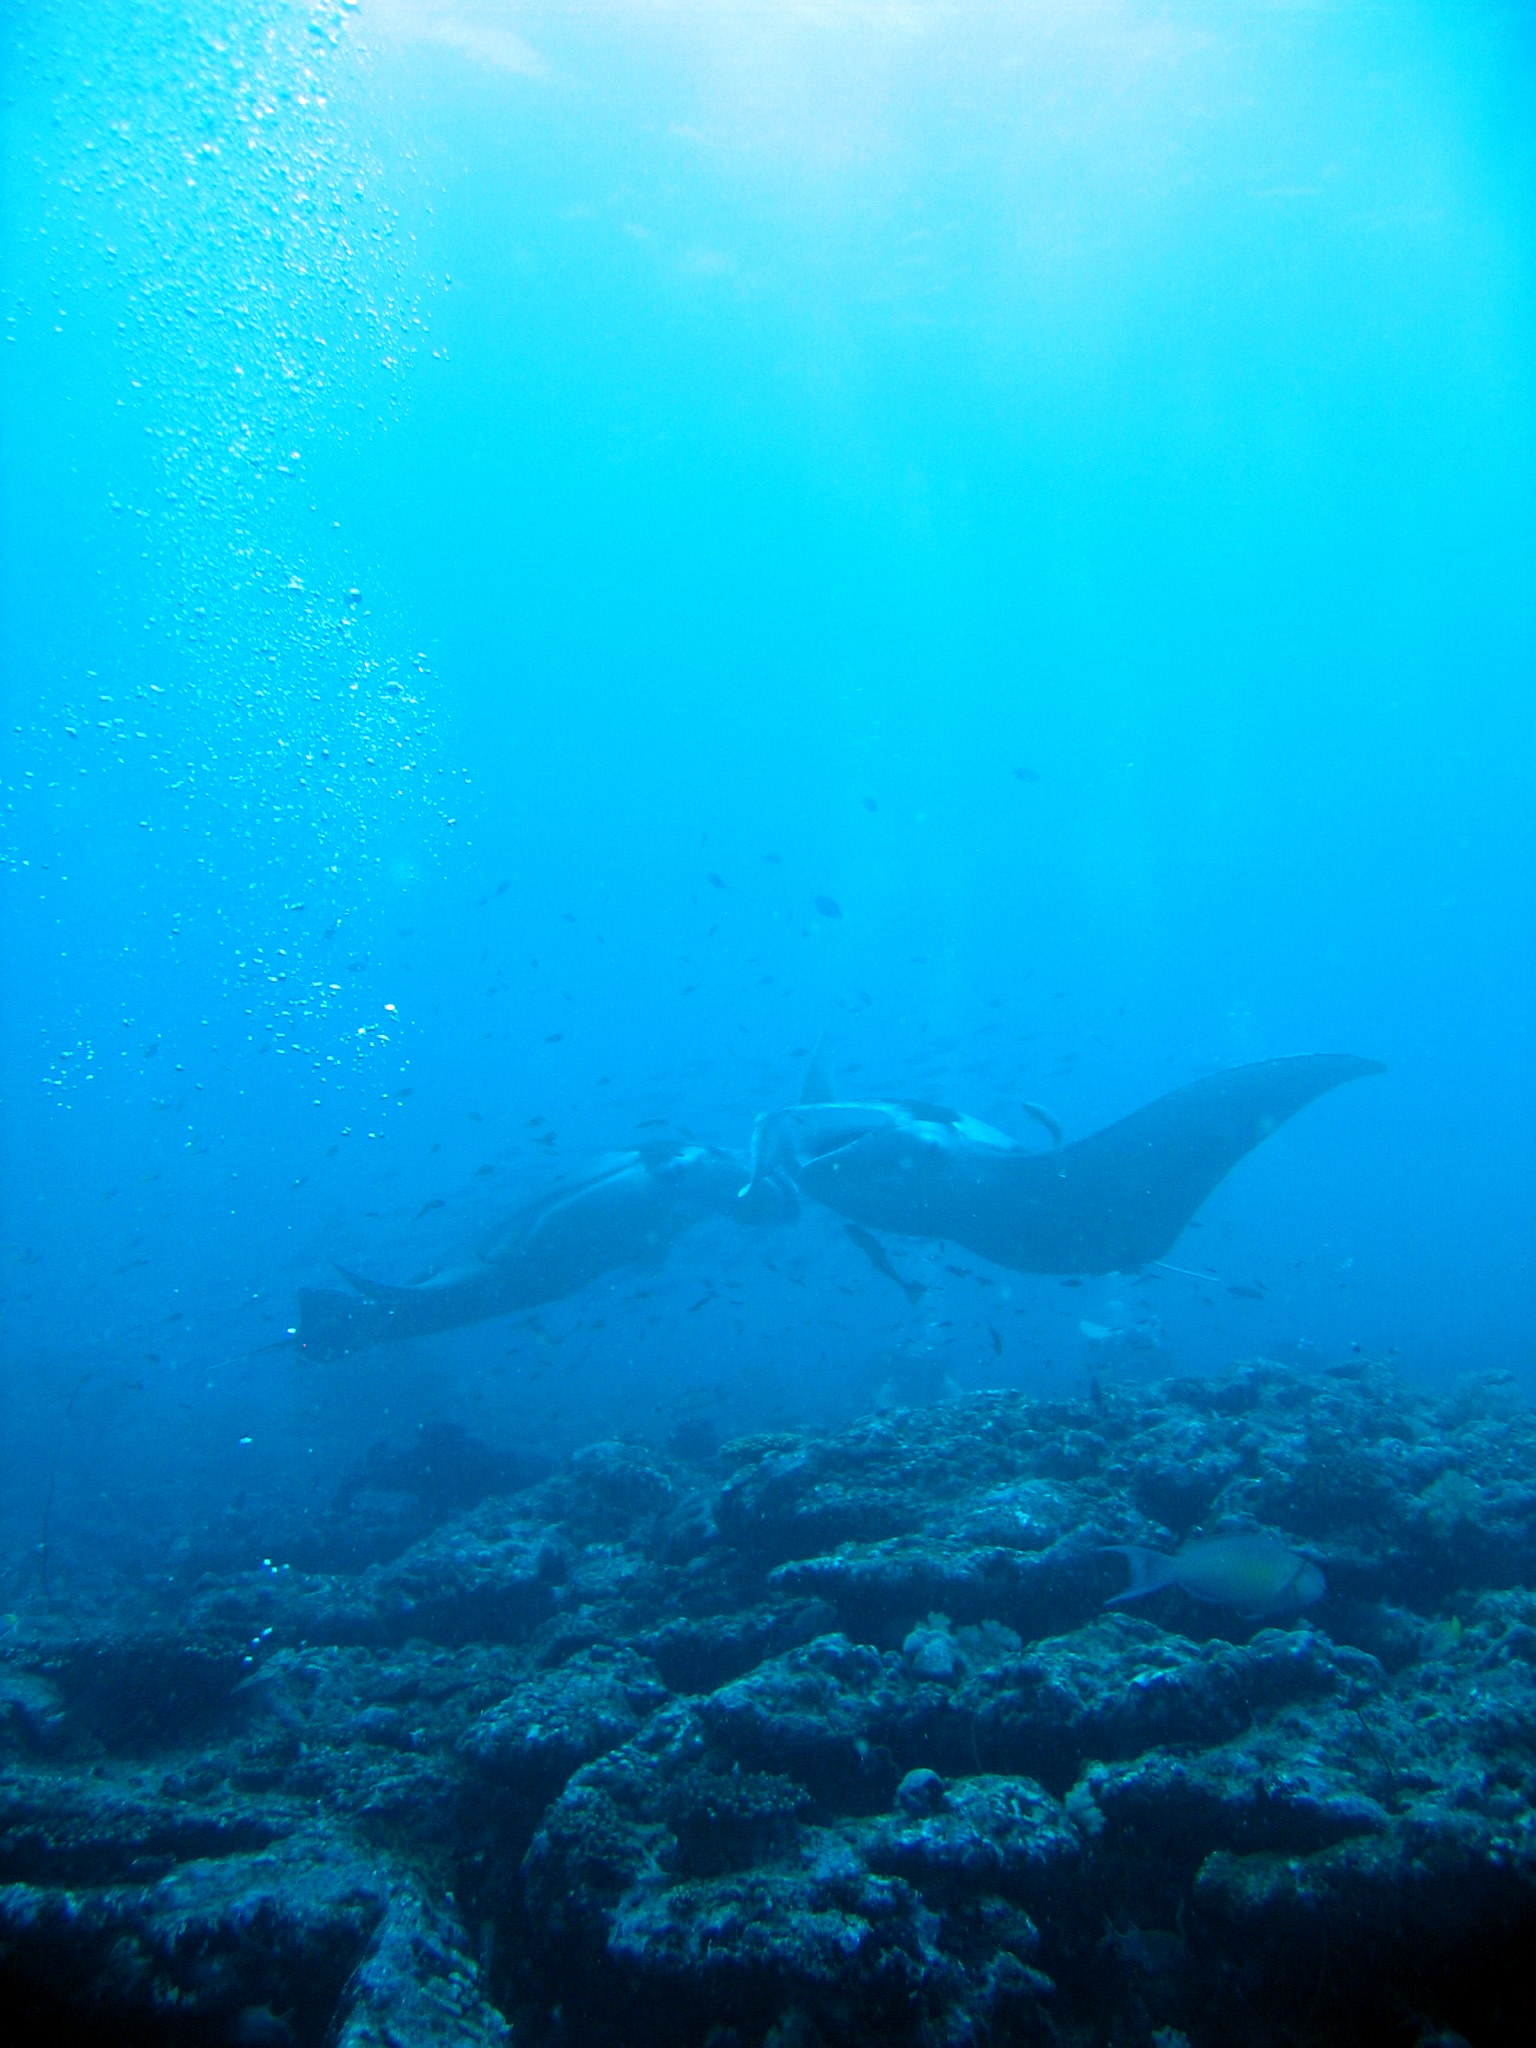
(815, 1739)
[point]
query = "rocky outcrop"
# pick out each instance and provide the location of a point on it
(827, 1739)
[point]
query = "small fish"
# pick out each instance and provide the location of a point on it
(437, 1202)
(1442, 1637)
(997, 1338)
(828, 906)
(553, 1037)
(874, 1251)
(715, 881)
(502, 888)
(774, 859)
(870, 804)
(482, 1171)
(652, 1123)
(1247, 1293)
(1025, 775)
(1256, 1574)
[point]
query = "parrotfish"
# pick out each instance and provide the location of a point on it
(1256, 1574)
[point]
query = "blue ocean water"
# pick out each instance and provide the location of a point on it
(553, 557)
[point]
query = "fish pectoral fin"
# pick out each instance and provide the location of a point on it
(1127, 1191)
(371, 1290)
(387, 1295)
(333, 1324)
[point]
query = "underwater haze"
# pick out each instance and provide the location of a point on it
(509, 508)
(557, 559)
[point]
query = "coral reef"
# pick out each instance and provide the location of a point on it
(818, 1739)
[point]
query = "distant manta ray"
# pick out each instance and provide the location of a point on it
(628, 1208)
(1107, 1204)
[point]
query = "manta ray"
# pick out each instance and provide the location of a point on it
(627, 1208)
(1110, 1203)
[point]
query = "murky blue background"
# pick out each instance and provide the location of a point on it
(504, 507)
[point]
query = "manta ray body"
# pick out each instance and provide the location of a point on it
(627, 1208)
(1110, 1203)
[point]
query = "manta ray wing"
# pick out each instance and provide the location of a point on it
(1117, 1200)
(509, 1237)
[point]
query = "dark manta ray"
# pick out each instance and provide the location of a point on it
(629, 1207)
(1107, 1204)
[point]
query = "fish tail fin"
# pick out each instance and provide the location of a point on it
(1151, 1570)
(332, 1324)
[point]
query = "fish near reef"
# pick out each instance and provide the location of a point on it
(1256, 1574)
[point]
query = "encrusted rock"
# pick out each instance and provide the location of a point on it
(843, 1748)
(556, 1720)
